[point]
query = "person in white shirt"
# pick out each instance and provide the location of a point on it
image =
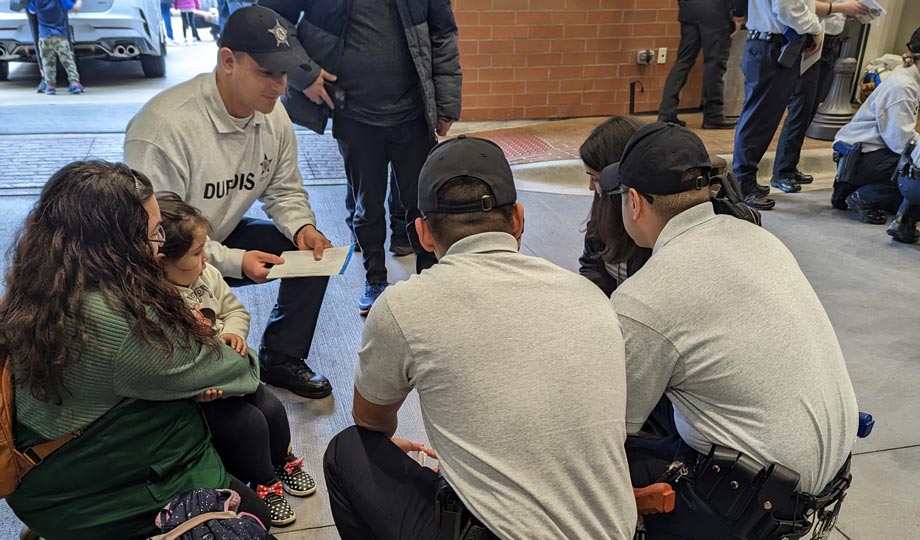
(768, 86)
(807, 95)
(884, 126)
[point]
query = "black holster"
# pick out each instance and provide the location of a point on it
(747, 495)
(846, 161)
(455, 521)
(761, 503)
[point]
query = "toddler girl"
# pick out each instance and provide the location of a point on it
(251, 433)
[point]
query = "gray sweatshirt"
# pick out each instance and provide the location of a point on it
(186, 142)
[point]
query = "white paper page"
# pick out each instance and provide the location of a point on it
(301, 264)
(875, 11)
(809, 60)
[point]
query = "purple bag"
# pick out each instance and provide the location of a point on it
(208, 514)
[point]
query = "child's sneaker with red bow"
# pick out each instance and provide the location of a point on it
(278, 508)
(295, 480)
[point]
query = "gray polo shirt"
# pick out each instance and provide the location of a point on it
(519, 367)
(722, 320)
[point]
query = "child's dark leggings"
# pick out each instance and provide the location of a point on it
(251, 434)
(188, 21)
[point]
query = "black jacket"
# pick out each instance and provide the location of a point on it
(430, 31)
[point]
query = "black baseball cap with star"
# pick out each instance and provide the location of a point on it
(266, 36)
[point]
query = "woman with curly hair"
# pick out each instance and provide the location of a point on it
(610, 255)
(98, 340)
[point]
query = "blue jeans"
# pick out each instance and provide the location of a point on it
(292, 322)
(167, 18)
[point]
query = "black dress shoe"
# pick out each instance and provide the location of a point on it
(758, 202)
(719, 123)
(868, 215)
(786, 184)
(904, 229)
(803, 178)
(672, 120)
(292, 374)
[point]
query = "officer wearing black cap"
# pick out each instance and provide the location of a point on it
(768, 85)
(756, 418)
(881, 132)
(221, 144)
(485, 336)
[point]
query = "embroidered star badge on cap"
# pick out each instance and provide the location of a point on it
(280, 34)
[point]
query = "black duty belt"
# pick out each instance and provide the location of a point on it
(757, 35)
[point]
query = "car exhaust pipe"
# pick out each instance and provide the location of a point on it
(131, 50)
(120, 51)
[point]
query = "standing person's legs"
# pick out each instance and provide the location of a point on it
(350, 214)
(767, 88)
(49, 60)
(687, 51)
(716, 41)
(65, 53)
(167, 19)
(194, 25)
(789, 149)
(33, 28)
(292, 322)
(363, 150)
(399, 241)
(376, 491)
(184, 15)
(407, 149)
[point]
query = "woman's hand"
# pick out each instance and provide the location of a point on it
(236, 343)
(210, 394)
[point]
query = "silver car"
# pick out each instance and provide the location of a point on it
(117, 30)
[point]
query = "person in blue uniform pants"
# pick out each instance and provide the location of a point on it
(768, 86)
(808, 94)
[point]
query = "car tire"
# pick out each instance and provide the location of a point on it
(154, 66)
(4, 71)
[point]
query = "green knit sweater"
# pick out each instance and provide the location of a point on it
(117, 363)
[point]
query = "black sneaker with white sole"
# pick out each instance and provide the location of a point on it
(279, 509)
(295, 480)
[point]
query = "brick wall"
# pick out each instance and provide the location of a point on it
(563, 58)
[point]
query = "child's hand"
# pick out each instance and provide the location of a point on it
(237, 343)
(210, 394)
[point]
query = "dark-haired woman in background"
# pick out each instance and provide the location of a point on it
(98, 339)
(610, 255)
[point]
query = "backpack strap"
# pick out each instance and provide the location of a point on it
(191, 523)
